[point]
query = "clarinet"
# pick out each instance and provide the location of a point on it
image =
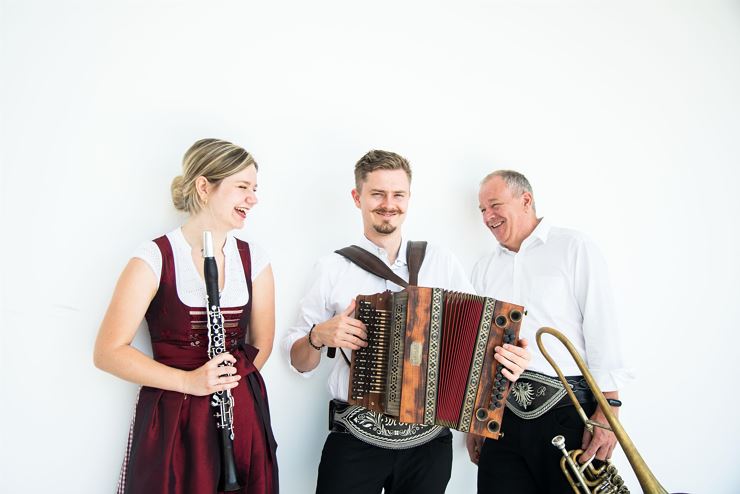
(222, 401)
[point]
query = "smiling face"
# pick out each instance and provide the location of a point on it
(383, 199)
(230, 200)
(510, 218)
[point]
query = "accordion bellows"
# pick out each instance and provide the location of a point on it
(429, 358)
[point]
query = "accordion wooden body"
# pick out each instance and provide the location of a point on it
(429, 358)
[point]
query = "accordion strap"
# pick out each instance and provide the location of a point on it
(415, 252)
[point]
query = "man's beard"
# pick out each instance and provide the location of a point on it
(385, 227)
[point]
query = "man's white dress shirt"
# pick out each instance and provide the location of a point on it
(561, 278)
(336, 281)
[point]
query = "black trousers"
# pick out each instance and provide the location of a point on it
(524, 461)
(350, 466)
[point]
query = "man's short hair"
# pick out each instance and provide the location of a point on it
(515, 181)
(379, 160)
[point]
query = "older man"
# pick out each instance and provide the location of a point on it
(561, 278)
(368, 452)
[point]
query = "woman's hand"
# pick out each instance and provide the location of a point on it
(210, 378)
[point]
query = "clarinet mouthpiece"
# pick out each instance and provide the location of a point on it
(207, 244)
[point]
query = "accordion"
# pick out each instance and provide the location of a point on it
(429, 358)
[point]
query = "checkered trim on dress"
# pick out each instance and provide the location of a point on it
(122, 476)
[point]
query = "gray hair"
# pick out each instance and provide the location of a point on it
(515, 181)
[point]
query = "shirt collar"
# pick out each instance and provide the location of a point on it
(381, 253)
(540, 232)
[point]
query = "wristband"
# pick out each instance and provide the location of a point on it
(613, 402)
(311, 342)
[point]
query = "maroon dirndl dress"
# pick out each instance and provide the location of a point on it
(173, 445)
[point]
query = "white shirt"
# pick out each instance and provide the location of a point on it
(337, 281)
(191, 289)
(561, 278)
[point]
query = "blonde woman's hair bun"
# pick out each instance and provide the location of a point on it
(178, 198)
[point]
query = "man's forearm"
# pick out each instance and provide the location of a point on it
(303, 356)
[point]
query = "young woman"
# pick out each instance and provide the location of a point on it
(173, 445)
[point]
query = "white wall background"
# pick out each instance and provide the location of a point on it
(624, 115)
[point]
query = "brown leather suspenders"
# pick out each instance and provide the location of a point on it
(415, 252)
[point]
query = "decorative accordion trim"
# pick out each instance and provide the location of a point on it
(476, 368)
(395, 362)
(435, 331)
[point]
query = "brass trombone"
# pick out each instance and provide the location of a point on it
(582, 478)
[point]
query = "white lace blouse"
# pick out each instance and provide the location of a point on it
(191, 288)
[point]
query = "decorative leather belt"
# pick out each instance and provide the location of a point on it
(535, 394)
(378, 429)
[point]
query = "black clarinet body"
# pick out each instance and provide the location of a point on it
(222, 401)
